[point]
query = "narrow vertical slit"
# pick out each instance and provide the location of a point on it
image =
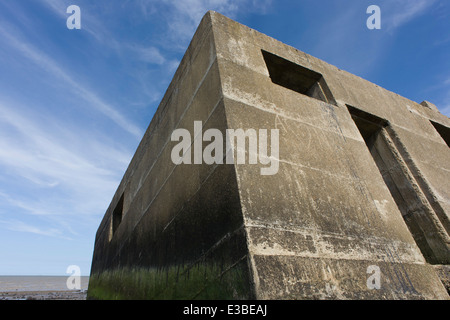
(117, 216)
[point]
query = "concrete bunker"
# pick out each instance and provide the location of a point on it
(308, 232)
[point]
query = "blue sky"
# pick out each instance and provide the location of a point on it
(74, 104)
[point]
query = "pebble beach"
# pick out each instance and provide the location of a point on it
(41, 288)
(44, 295)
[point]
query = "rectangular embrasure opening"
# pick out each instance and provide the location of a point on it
(117, 215)
(297, 78)
(368, 125)
(443, 131)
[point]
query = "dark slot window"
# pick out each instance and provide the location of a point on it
(297, 78)
(117, 215)
(443, 131)
(369, 125)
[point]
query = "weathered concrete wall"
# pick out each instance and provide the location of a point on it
(309, 231)
(181, 234)
(316, 226)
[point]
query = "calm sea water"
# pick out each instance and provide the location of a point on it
(37, 283)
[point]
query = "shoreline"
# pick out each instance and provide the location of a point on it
(44, 295)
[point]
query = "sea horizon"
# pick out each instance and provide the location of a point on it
(27, 283)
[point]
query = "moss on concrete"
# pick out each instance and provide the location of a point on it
(202, 282)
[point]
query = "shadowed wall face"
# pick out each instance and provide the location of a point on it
(176, 231)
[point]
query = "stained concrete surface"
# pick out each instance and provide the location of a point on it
(312, 230)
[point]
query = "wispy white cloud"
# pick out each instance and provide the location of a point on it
(51, 66)
(397, 13)
(20, 226)
(100, 32)
(444, 103)
(183, 17)
(148, 54)
(75, 166)
(440, 91)
(88, 22)
(445, 110)
(60, 175)
(345, 41)
(136, 54)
